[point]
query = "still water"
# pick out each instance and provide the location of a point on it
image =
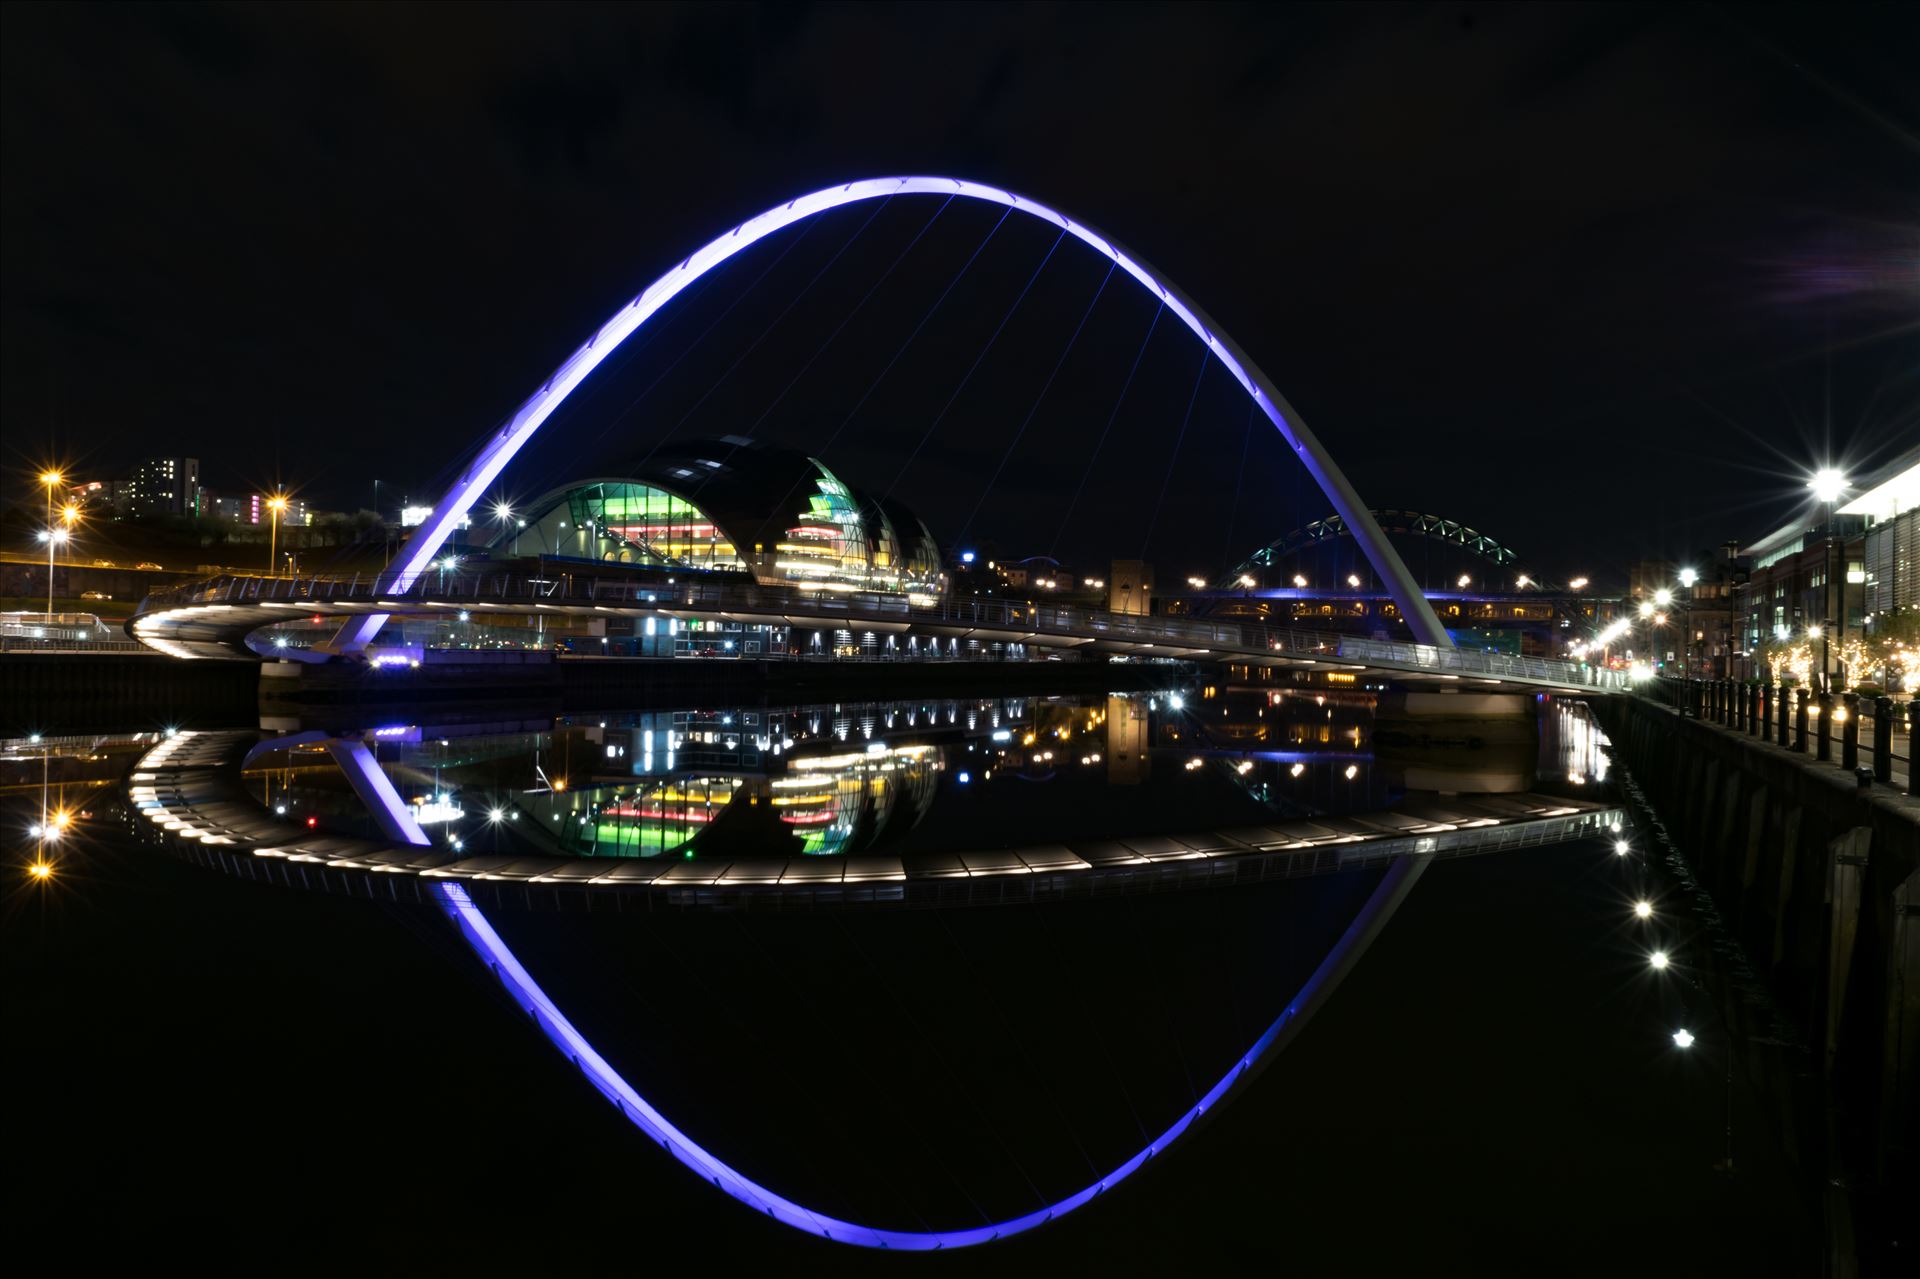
(910, 1070)
(916, 778)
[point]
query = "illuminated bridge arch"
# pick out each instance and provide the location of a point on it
(1406, 523)
(499, 449)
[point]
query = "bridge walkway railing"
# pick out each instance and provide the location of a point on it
(563, 591)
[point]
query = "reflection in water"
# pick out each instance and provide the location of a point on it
(1075, 1038)
(934, 776)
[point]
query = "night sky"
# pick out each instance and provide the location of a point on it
(1598, 280)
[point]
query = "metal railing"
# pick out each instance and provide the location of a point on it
(1856, 732)
(575, 591)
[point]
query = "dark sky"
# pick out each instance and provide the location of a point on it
(1596, 279)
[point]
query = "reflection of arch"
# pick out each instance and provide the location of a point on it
(492, 949)
(1409, 523)
(499, 449)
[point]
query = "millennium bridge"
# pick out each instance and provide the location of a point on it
(214, 618)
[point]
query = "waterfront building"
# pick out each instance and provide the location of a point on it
(1890, 550)
(729, 507)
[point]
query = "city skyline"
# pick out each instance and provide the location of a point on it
(1772, 316)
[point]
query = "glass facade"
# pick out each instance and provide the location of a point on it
(827, 543)
(783, 517)
(627, 523)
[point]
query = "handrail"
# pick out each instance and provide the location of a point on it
(564, 589)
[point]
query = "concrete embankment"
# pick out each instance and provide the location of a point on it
(1813, 885)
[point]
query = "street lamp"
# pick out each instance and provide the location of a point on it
(1658, 959)
(1644, 910)
(51, 478)
(52, 537)
(275, 505)
(1827, 485)
(1683, 1037)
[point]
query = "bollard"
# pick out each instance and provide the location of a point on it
(1863, 779)
(1800, 699)
(1850, 731)
(1763, 724)
(1883, 739)
(1726, 704)
(1754, 696)
(1823, 728)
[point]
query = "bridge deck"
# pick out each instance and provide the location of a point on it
(212, 619)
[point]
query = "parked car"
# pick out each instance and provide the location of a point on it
(95, 595)
(148, 566)
(105, 564)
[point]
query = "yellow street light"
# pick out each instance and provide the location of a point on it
(41, 871)
(275, 505)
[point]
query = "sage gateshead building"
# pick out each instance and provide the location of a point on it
(730, 506)
(738, 511)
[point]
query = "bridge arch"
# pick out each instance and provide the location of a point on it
(499, 449)
(1406, 523)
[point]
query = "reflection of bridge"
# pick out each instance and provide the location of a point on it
(194, 793)
(213, 618)
(188, 788)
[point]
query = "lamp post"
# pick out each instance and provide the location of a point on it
(1827, 485)
(52, 537)
(275, 504)
(51, 479)
(1687, 578)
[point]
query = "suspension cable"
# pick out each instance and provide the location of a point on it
(772, 324)
(848, 319)
(1035, 408)
(1102, 441)
(1239, 476)
(1166, 482)
(974, 367)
